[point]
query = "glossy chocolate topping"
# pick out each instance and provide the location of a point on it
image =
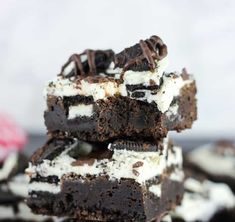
(90, 62)
(141, 56)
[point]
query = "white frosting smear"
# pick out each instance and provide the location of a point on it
(212, 162)
(65, 87)
(119, 166)
(204, 201)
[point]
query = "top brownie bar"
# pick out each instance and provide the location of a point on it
(100, 96)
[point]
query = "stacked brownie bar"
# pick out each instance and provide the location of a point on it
(108, 157)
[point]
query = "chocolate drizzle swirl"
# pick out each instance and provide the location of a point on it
(96, 62)
(141, 56)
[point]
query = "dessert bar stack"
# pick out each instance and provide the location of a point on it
(108, 157)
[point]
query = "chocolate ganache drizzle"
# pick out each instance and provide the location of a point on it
(88, 63)
(141, 56)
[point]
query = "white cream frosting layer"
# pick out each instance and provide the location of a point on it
(145, 77)
(213, 162)
(204, 200)
(119, 166)
(170, 87)
(65, 87)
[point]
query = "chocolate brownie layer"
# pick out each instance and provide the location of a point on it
(204, 200)
(119, 116)
(216, 161)
(93, 182)
(105, 200)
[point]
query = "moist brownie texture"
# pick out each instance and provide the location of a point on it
(13, 191)
(204, 200)
(130, 96)
(99, 182)
(216, 161)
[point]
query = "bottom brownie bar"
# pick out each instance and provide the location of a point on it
(104, 185)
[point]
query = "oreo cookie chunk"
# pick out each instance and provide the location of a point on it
(13, 191)
(90, 62)
(216, 161)
(143, 56)
(91, 182)
(139, 146)
(204, 200)
(99, 108)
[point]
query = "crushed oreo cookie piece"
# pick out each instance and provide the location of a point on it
(138, 164)
(90, 62)
(135, 172)
(132, 88)
(141, 56)
(53, 148)
(135, 145)
(138, 94)
(83, 161)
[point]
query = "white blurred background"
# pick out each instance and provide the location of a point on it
(37, 37)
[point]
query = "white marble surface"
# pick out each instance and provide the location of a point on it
(36, 38)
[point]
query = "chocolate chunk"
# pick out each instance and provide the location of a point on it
(138, 164)
(95, 62)
(84, 161)
(141, 56)
(135, 172)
